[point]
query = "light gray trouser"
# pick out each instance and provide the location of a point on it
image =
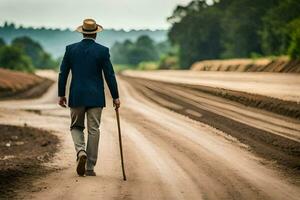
(77, 127)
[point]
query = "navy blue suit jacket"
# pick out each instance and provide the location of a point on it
(87, 60)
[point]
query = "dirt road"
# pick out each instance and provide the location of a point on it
(167, 155)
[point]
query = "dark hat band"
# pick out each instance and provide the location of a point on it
(89, 30)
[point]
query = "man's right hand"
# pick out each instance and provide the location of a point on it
(62, 102)
(116, 103)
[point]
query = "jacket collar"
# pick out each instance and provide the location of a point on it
(88, 40)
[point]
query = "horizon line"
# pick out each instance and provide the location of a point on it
(9, 23)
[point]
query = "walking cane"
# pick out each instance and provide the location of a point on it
(120, 143)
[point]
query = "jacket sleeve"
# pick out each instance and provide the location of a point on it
(109, 75)
(63, 74)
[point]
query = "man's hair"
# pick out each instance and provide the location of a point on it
(89, 35)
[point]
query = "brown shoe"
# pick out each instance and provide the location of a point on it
(90, 173)
(81, 160)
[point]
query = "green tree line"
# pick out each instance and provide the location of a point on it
(54, 41)
(235, 29)
(24, 54)
(132, 53)
(141, 53)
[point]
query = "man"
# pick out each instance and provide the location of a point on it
(87, 60)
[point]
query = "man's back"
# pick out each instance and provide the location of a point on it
(86, 60)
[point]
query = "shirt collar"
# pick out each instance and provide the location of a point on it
(86, 38)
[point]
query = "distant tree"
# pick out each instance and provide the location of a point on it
(120, 51)
(144, 50)
(196, 29)
(132, 53)
(2, 42)
(9, 25)
(144, 41)
(34, 50)
(276, 32)
(48, 62)
(14, 58)
(241, 21)
(294, 47)
(164, 48)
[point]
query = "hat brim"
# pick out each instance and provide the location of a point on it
(80, 30)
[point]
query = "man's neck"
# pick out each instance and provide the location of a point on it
(89, 38)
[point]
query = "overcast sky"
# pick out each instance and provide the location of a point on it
(126, 14)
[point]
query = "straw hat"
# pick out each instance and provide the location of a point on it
(89, 26)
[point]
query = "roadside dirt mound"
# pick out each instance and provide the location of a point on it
(281, 107)
(15, 84)
(22, 151)
(249, 65)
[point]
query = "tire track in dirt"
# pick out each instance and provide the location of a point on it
(272, 147)
(207, 174)
(198, 154)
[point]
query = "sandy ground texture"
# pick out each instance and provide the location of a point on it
(23, 150)
(167, 155)
(279, 85)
